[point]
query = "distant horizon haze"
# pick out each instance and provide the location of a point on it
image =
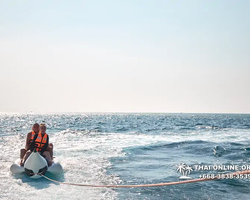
(125, 56)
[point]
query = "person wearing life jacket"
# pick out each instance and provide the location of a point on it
(37, 139)
(35, 130)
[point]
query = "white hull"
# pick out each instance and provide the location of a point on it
(36, 164)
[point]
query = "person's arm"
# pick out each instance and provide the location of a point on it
(27, 146)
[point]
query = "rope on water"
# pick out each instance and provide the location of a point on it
(235, 174)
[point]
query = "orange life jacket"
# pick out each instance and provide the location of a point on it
(40, 141)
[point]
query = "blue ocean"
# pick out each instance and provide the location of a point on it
(120, 149)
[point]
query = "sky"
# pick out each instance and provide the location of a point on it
(125, 56)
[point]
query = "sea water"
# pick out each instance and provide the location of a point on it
(106, 148)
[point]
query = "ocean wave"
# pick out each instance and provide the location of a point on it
(129, 148)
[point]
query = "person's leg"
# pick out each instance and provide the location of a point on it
(51, 150)
(47, 156)
(25, 158)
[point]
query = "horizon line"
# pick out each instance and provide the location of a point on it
(118, 112)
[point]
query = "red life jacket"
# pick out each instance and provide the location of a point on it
(40, 141)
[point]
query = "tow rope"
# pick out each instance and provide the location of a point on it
(234, 175)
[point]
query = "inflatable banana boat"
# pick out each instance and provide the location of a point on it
(35, 165)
